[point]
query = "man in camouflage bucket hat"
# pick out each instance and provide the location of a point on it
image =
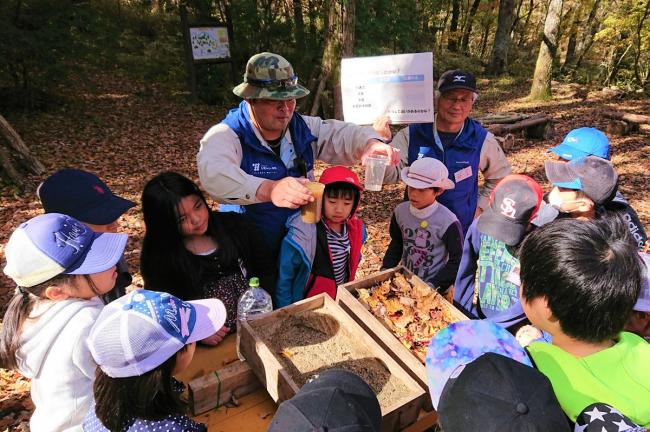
(263, 152)
(265, 68)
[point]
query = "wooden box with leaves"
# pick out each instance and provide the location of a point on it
(286, 347)
(402, 318)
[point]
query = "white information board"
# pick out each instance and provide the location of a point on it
(209, 43)
(400, 86)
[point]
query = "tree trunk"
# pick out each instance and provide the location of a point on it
(484, 39)
(569, 59)
(499, 60)
(452, 45)
(541, 87)
(584, 43)
(299, 24)
(516, 19)
(524, 28)
(329, 54)
(615, 66)
(464, 45)
(348, 21)
(15, 157)
(639, 80)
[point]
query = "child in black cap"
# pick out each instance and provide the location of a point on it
(334, 400)
(85, 197)
(487, 284)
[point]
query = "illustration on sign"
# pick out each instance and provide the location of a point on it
(209, 43)
(400, 86)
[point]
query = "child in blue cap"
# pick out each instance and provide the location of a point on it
(60, 268)
(588, 141)
(85, 197)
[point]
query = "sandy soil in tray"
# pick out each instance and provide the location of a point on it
(308, 342)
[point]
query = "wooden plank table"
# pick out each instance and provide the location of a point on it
(255, 410)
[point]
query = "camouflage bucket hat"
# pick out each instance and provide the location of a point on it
(269, 76)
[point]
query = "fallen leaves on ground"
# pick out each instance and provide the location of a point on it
(110, 128)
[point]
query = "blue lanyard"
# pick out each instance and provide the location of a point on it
(438, 141)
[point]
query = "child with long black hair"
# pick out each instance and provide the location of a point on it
(140, 341)
(61, 268)
(195, 251)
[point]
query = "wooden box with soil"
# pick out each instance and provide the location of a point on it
(288, 346)
(410, 350)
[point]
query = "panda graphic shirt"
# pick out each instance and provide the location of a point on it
(428, 242)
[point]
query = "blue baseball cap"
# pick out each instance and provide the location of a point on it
(141, 330)
(83, 196)
(581, 142)
(52, 244)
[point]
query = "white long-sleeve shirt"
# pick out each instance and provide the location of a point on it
(220, 156)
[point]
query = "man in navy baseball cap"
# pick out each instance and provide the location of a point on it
(465, 147)
(457, 79)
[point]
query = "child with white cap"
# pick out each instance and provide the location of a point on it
(61, 268)
(140, 341)
(425, 235)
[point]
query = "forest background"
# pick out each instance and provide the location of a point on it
(102, 85)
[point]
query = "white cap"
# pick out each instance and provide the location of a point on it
(427, 173)
(141, 330)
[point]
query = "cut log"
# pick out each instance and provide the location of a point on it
(218, 388)
(15, 155)
(632, 118)
(502, 118)
(535, 127)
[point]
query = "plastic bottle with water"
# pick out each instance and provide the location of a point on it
(254, 301)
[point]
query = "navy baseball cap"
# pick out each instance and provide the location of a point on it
(582, 142)
(594, 176)
(457, 79)
(83, 196)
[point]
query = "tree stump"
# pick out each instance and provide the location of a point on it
(625, 123)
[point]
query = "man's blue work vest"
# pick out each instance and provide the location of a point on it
(465, 152)
(260, 161)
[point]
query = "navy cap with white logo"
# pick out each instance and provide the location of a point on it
(457, 79)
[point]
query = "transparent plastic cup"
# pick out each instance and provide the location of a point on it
(311, 212)
(375, 169)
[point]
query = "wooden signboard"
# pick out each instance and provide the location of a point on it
(265, 363)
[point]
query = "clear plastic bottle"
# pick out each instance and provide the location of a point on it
(254, 301)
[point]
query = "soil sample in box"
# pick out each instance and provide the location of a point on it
(288, 346)
(312, 341)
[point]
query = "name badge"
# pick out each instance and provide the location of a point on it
(461, 175)
(513, 276)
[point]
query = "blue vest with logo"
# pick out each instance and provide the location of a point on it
(465, 152)
(261, 161)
